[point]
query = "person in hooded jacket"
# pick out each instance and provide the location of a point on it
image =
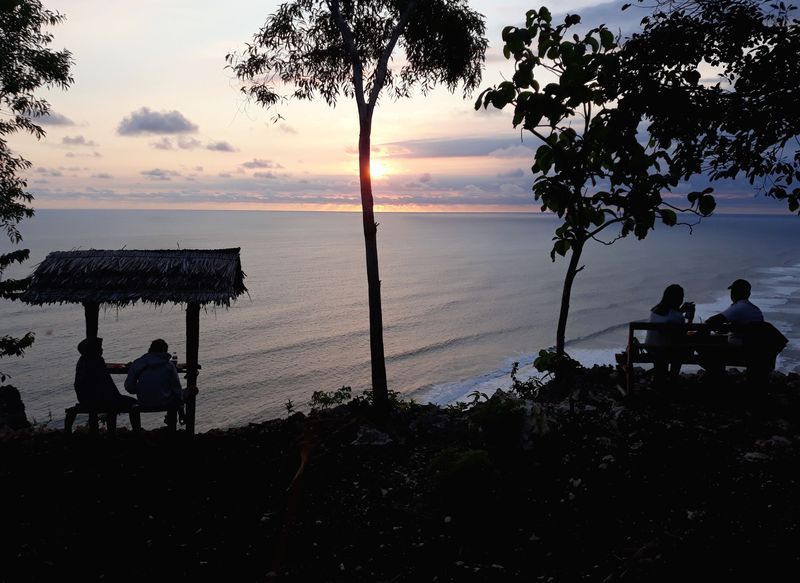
(93, 383)
(153, 378)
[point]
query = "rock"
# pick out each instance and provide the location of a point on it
(12, 410)
(754, 456)
(371, 436)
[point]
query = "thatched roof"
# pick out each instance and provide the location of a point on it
(205, 276)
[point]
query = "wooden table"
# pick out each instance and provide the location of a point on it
(123, 367)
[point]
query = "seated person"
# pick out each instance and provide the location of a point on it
(670, 310)
(741, 310)
(93, 383)
(154, 380)
(752, 339)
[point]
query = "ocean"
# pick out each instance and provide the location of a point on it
(464, 296)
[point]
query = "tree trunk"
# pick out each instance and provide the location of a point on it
(572, 271)
(380, 392)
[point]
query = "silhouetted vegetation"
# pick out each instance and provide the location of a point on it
(743, 121)
(334, 49)
(26, 65)
(592, 168)
(579, 484)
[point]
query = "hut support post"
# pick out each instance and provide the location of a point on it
(192, 349)
(92, 313)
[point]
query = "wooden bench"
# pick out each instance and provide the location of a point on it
(134, 412)
(698, 344)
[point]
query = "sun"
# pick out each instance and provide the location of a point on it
(377, 169)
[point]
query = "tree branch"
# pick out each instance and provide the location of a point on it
(611, 242)
(593, 234)
(383, 62)
(352, 50)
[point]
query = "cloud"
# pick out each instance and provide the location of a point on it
(516, 173)
(159, 174)
(518, 151)
(198, 168)
(425, 178)
(259, 163)
(286, 129)
(270, 175)
(78, 141)
(83, 155)
(162, 144)
(354, 150)
(188, 143)
(146, 121)
(102, 175)
(225, 175)
(455, 147)
(221, 147)
(53, 119)
(48, 171)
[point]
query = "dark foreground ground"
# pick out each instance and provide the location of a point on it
(692, 483)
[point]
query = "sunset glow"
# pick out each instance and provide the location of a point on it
(163, 124)
(378, 169)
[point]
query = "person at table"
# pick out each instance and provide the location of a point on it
(661, 345)
(741, 310)
(153, 378)
(93, 384)
(755, 340)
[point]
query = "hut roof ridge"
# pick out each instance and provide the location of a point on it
(125, 276)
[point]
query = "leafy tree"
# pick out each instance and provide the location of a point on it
(743, 123)
(343, 48)
(26, 64)
(592, 168)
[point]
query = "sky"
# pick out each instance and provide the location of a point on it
(155, 120)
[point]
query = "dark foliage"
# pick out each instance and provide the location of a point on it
(695, 480)
(26, 64)
(303, 47)
(742, 122)
(593, 167)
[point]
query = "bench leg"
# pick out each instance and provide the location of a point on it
(111, 422)
(136, 421)
(69, 419)
(94, 425)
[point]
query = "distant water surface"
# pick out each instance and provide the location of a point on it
(464, 296)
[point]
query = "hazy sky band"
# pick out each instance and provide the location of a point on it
(154, 120)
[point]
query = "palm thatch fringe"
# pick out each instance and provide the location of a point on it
(122, 277)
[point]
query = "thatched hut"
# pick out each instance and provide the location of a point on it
(193, 277)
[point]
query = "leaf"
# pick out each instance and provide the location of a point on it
(669, 217)
(545, 15)
(561, 247)
(706, 205)
(478, 102)
(607, 38)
